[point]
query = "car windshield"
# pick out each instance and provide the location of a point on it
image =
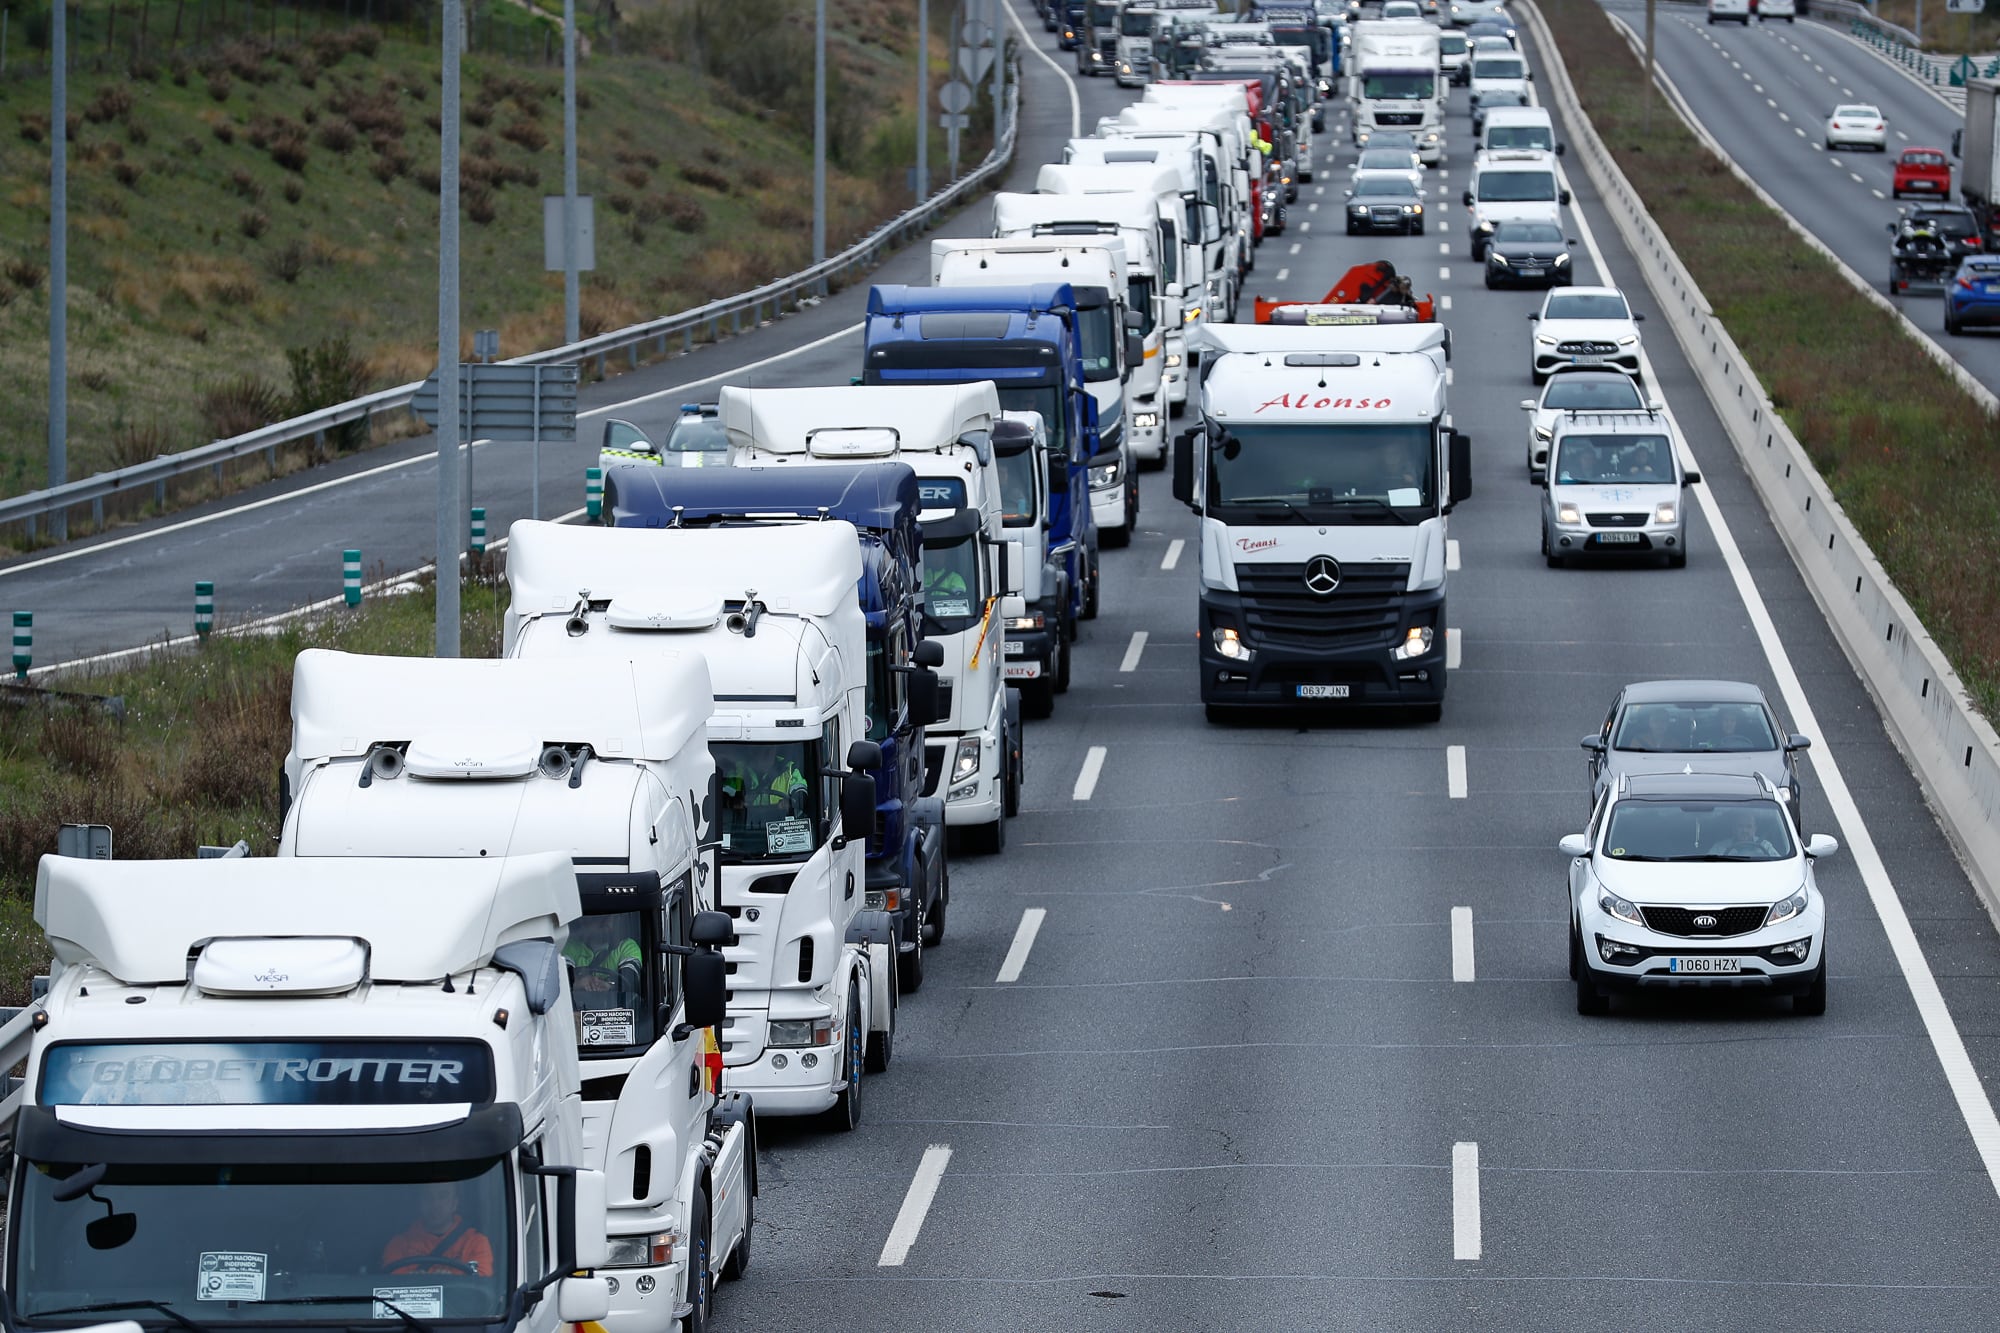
(1984, 269)
(1017, 489)
(1693, 728)
(1386, 186)
(1592, 393)
(952, 599)
(1493, 97)
(1520, 136)
(1856, 113)
(1391, 87)
(1515, 187)
(1528, 233)
(1340, 474)
(1586, 305)
(1490, 67)
(1614, 460)
(698, 435)
(770, 804)
(1452, 43)
(1647, 830)
(241, 1244)
(1385, 159)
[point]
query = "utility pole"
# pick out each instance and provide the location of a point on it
(59, 262)
(1646, 99)
(572, 316)
(923, 100)
(819, 132)
(449, 399)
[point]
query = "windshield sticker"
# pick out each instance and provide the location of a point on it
(416, 1302)
(605, 1027)
(787, 836)
(230, 1275)
(950, 608)
(1404, 496)
(1300, 402)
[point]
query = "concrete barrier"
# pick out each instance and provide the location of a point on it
(1952, 750)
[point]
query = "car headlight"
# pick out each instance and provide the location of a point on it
(795, 1032)
(1145, 420)
(965, 758)
(1663, 513)
(1484, 228)
(1612, 905)
(1229, 644)
(1106, 475)
(1544, 433)
(1561, 260)
(1628, 340)
(1416, 642)
(1036, 621)
(1498, 260)
(1542, 340)
(1786, 909)
(1568, 513)
(1362, 209)
(652, 1250)
(1173, 359)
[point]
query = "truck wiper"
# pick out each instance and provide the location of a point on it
(1266, 500)
(1382, 505)
(409, 1320)
(138, 1304)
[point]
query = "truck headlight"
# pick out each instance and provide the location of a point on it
(965, 759)
(1787, 909)
(1432, 137)
(1174, 358)
(1612, 905)
(1416, 642)
(1107, 475)
(1145, 420)
(1663, 513)
(793, 1032)
(648, 1251)
(1229, 644)
(1035, 621)
(1569, 513)
(882, 900)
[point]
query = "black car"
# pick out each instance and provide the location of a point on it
(1386, 203)
(1528, 254)
(1498, 97)
(1492, 28)
(1954, 223)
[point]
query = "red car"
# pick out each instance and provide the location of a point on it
(1925, 171)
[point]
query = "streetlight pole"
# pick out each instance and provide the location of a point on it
(449, 399)
(819, 132)
(923, 100)
(1647, 100)
(572, 315)
(59, 263)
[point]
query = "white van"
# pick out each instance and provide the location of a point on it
(1503, 72)
(1729, 11)
(1527, 128)
(1787, 10)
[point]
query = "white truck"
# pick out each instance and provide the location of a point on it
(1095, 267)
(773, 611)
(1396, 82)
(427, 758)
(973, 753)
(1322, 473)
(297, 1093)
(1039, 611)
(1174, 163)
(1225, 181)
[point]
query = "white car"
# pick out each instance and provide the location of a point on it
(1402, 9)
(1515, 185)
(1787, 10)
(1576, 391)
(1857, 126)
(1464, 12)
(1388, 161)
(1584, 326)
(1729, 11)
(1500, 72)
(1695, 881)
(1454, 56)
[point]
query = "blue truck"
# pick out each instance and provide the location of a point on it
(907, 871)
(1026, 341)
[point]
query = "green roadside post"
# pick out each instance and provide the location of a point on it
(593, 492)
(24, 643)
(204, 608)
(479, 529)
(350, 577)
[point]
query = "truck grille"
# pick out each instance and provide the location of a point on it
(1581, 348)
(1365, 610)
(1616, 520)
(1728, 920)
(1399, 117)
(1109, 49)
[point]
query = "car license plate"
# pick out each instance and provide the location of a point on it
(1989, 286)
(1605, 538)
(1014, 649)
(1023, 671)
(1322, 691)
(1529, 272)
(1587, 360)
(1704, 966)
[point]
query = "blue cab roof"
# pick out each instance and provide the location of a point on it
(898, 298)
(875, 497)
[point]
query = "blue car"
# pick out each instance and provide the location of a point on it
(1973, 298)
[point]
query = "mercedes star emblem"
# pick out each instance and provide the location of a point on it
(1704, 922)
(1322, 575)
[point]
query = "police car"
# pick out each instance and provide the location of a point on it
(697, 440)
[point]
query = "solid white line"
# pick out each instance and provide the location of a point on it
(1465, 1201)
(1461, 944)
(1453, 648)
(1024, 940)
(1454, 771)
(1451, 555)
(1132, 651)
(1068, 83)
(1173, 555)
(1086, 780)
(923, 1187)
(150, 533)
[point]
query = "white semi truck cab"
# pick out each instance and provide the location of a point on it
(973, 754)
(290, 1093)
(609, 764)
(1397, 83)
(773, 613)
(1322, 472)
(1202, 144)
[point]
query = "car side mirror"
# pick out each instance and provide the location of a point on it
(1533, 317)
(1593, 743)
(1574, 844)
(1562, 196)
(1559, 148)
(864, 756)
(1467, 198)
(928, 653)
(1638, 318)
(1654, 405)
(857, 806)
(1691, 477)
(1571, 242)
(1797, 742)
(1527, 404)
(1820, 844)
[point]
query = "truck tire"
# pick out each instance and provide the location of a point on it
(1038, 697)
(845, 1113)
(909, 980)
(1062, 666)
(934, 927)
(739, 1258)
(987, 839)
(1090, 591)
(701, 1283)
(1115, 537)
(882, 1045)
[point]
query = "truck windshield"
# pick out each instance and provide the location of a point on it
(1097, 329)
(1103, 13)
(1398, 87)
(1315, 39)
(770, 806)
(1136, 23)
(1017, 490)
(1330, 474)
(257, 1244)
(610, 968)
(879, 693)
(952, 601)
(1043, 398)
(1140, 296)
(1170, 250)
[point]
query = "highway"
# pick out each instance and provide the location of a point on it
(1268, 1026)
(1764, 92)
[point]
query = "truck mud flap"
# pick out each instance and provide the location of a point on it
(732, 1109)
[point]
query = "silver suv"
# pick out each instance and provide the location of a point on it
(1613, 487)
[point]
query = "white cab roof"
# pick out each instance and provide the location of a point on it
(422, 919)
(807, 569)
(922, 418)
(1232, 96)
(344, 702)
(1381, 390)
(1281, 338)
(1097, 260)
(1127, 193)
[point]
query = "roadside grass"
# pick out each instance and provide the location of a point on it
(1911, 458)
(195, 759)
(1977, 33)
(266, 194)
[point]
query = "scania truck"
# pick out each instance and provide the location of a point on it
(428, 758)
(306, 1093)
(1201, 143)
(1173, 165)
(812, 985)
(943, 432)
(1322, 471)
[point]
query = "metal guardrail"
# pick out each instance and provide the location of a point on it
(768, 301)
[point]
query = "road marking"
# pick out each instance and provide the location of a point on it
(1444, 302)
(1454, 771)
(1904, 137)
(1760, 88)
(1284, 273)
(431, 457)
(1444, 247)
(1848, 91)
(1024, 940)
(1453, 647)
(1451, 555)
(1878, 194)
(1305, 226)
(1444, 227)
(1173, 555)
(1464, 1201)
(924, 1185)
(1834, 161)
(1297, 246)
(1818, 149)
(1461, 944)
(1075, 114)
(1312, 208)
(1086, 780)
(1857, 179)
(1132, 651)
(1444, 273)
(1443, 207)
(1798, 131)
(1771, 102)
(1787, 119)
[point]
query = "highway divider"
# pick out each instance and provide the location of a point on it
(1954, 752)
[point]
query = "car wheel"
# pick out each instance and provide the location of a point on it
(1951, 326)
(1537, 377)
(1350, 229)
(1678, 559)
(1575, 951)
(1812, 1000)
(1590, 1001)
(1490, 284)
(1417, 230)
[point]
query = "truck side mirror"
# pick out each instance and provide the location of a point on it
(928, 653)
(1211, 224)
(1466, 198)
(580, 1202)
(1010, 567)
(712, 928)
(582, 1300)
(1184, 447)
(857, 809)
(1461, 467)
(1134, 320)
(705, 986)
(864, 756)
(1593, 743)
(1135, 349)
(925, 702)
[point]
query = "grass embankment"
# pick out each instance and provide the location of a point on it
(1943, 32)
(268, 185)
(196, 758)
(1912, 459)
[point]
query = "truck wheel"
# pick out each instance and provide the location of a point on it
(1038, 697)
(909, 980)
(1010, 796)
(934, 927)
(1116, 537)
(739, 1258)
(845, 1114)
(987, 839)
(701, 1283)
(1062, 671)
(1090, 591)
(882, 1045)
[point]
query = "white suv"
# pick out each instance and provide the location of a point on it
(1513, 186)
(1696, 881)
(1584, 326)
